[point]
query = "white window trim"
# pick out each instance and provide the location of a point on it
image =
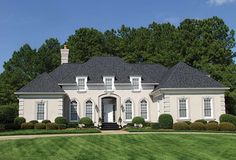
(85, 81)
(129, 120)
(70, 111)
(45, 110)
(203, 108)
(187, 109)
(147, 119)
(113, 81)
(140, 85)
(85, 109)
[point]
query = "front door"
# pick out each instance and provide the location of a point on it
(108, 112)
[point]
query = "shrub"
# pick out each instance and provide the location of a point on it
(72, 125)
(148, 124)
(11, 126)
(166, 121)
(8, 113)
(60, 120)
(33, 121)
(180, 126)
(86, 121)
(188, 122)
(130, 125)
(40, 126)
(212, 126)
(2, 127)
(228, 118)
(138, 120)
(51, 126)
(27, 126)
(213, 122)
(61, 126)
(227, 126)
(197, 126)
(46, 121)
(155, 125)
(202, 121)
(19, 120)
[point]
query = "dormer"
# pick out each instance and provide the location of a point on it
(136, 83)
(109, 83)
(81, 82)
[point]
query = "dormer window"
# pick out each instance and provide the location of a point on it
(109, 83)
(81, 83)
(135, 83)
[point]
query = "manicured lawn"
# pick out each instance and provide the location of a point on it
(122, 147)
(43, 131)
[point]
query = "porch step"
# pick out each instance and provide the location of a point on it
(110, 126)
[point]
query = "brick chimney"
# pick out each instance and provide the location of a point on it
(64, 54)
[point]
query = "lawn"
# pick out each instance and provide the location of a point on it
(122, 147)
(44, 131)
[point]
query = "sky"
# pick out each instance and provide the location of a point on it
(33, 22)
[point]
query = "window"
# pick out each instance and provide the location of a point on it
(144, 109)
(73, 111)
(183, 112)
(207, 107)
(109, 83)
(40, 111)
(81, 83)
(128, 110)
(89, 109)
(135, 83)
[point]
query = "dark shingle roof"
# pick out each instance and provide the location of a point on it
(42, 83)
(183, 76)
(179, 76)
(97, 67)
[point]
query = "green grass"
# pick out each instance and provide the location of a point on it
(122, 147)
(43, 131)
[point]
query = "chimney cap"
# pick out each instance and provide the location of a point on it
(65, 46)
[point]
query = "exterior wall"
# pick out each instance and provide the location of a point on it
(27, 106)
(169, 104)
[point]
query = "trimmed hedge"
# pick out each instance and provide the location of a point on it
(60, 120)
(130, 125)
(202, 121)
(228, 118)
(227, 126)
(11, 126)
(138, 120)
(188, 122)
(46, 121)
(34, 121)
(61, 126)
(197, 126)
(2, 127)
(213, 122)
(212, 126)
(180, 126)
(27, 126)
(40, 126)
(155, 125)
(51, 126)
(166, 121)
(72, 125)
(19, 120)
(86, 121)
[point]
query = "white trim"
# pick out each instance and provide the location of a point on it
(112, 80)
(70, 110)
(147, 119)
(128, 120)
(39, 93)
(95, 84)
(139, 81)
(45, 110)
(85, 83)
(158, 110)
(187, 109)
(203, 108)
(93, 108)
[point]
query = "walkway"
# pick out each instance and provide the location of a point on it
(2, 138)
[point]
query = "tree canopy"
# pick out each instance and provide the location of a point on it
(205, 44)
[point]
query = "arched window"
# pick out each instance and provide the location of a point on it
(128, 110)
(144, 109)
(73, 111)
(89, 109)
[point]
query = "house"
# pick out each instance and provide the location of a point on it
(109, 89)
